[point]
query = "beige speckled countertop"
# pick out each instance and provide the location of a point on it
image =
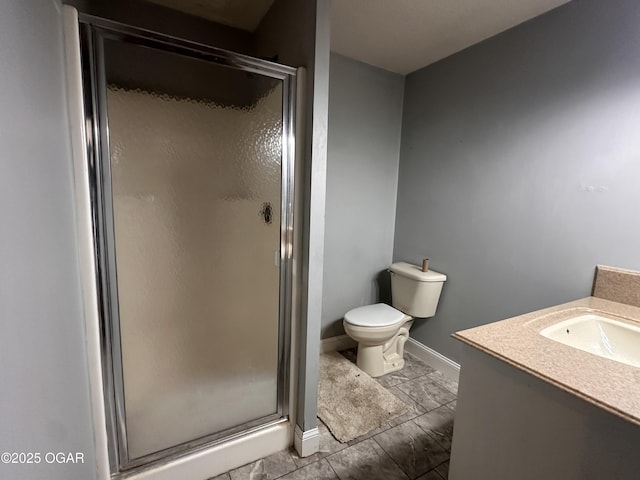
(608, 384)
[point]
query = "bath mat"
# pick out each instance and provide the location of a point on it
(350, 402)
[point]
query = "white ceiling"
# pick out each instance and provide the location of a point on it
(405, 35)
(398, 35)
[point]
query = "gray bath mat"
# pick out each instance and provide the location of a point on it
(350, 402)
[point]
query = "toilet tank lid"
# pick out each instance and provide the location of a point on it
(376, 315)
(415, 272)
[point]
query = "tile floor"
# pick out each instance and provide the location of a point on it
(414, 446)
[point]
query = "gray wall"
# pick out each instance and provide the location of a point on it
(365, 113)
(44, 393)
(520, 166)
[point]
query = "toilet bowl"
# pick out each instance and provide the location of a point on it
(381, 330)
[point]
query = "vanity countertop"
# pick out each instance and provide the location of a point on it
(610, 385)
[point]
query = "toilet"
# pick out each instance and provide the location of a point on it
(381, 330)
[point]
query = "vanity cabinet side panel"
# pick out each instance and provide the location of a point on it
(510, 424)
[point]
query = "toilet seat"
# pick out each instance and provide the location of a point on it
(376, 315)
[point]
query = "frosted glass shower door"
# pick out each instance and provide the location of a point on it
(193, 184)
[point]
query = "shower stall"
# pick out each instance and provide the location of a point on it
(190, 158)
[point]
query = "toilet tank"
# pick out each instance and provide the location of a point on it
(415, 292)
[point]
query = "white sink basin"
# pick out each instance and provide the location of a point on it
(601, 336)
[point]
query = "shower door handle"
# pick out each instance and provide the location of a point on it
(267, 212)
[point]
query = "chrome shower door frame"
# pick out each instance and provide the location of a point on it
(93, 31)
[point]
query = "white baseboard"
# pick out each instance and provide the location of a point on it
(307, 442)
(334, 344)
(434, 359)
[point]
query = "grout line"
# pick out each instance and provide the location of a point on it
(437, 472)
(331, 467)
(437, 441)
(390, 457)
(438, 466)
